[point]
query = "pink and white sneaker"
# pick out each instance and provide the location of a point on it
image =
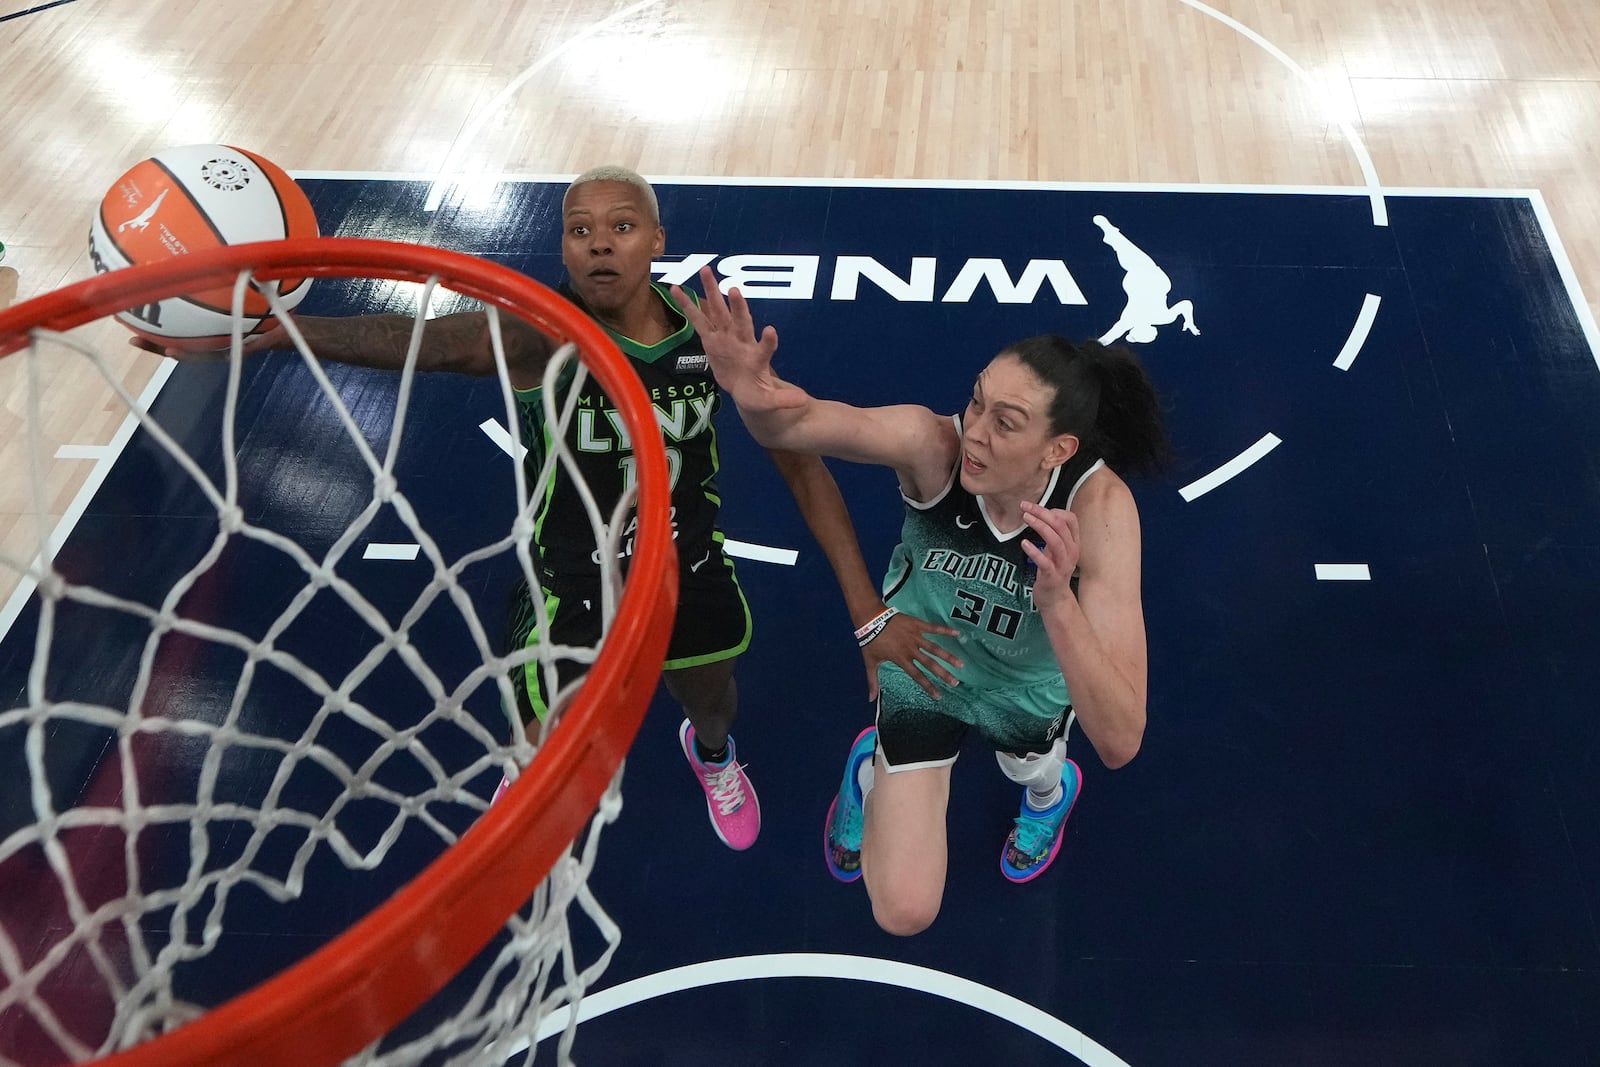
(730, 798)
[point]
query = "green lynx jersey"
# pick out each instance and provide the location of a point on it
(678, 381)
(953, 565)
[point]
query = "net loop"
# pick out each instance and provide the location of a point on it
(314, 765)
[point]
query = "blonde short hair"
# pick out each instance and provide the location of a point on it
(612, 172)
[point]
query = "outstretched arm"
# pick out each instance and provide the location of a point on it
(912, 440)
(1098, 633)
(460, 342)
(902, 640)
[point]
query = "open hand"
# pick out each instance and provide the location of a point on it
(740, 360)
(1053, 548)
(904, 642)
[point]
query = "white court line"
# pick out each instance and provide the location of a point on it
(469, 135)
(1380, 210)
(742, 549)
(382, 550)
(91, 485)
(991, 184)
(503, 440)
(1558, 252)
(1343, 572)
(761, 553)
(846, 968)
(83, 451)
(1231, 469)
(1358, 333)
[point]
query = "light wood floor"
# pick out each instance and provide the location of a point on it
(1460, 93)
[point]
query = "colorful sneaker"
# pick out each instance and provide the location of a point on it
(1036, 838)
(841, 834)
(730, 798)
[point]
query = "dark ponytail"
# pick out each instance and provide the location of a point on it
(1104, 397)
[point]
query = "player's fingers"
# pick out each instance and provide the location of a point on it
(714, 306)
(739, 317)
(1054, 532)
(1046, 520)
(685, 305)
(1069, 525)
(926, 683)
(1046, 564)
(930, 649)
(923, 626)
(930, 666)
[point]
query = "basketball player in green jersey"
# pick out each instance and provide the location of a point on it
(1017, 532)
(611, 233)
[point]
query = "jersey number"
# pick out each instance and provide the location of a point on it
(1001, 621)
(630, 469)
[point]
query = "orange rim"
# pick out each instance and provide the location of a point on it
(364, 982)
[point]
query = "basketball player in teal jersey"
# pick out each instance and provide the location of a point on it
(611, 233)
(1019, 533)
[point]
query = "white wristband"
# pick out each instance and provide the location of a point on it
(875, 627)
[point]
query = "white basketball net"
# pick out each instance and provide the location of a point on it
(64, 932)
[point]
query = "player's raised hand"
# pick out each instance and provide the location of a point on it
(1053, 548)
(740, 360)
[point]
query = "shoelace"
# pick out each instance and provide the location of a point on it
(727, 786)
(1034, 834)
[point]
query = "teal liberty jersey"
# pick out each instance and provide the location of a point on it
(678, 381)
(953, 566)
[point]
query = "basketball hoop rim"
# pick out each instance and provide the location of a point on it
(364, 982)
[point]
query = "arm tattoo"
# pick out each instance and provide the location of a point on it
(458, 342)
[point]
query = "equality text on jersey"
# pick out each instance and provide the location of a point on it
(982, 567)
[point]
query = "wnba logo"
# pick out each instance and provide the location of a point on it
(796, 277)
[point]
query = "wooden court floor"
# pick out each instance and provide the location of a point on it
(1303, 93)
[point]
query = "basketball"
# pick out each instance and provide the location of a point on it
(191, 199)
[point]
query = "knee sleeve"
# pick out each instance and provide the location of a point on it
(1037, 770)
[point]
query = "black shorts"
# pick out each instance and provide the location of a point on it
(712, 624)
(915, 731)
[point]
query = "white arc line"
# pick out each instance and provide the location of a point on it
(1380, 210)
(849, 968)
(469, 135)
(1358, 332)
(1343, 572)
(1231, 469)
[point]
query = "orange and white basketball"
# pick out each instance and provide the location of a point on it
(188, 199)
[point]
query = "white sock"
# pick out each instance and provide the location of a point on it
(1045, 801)
(865, 777)
(1039, 773)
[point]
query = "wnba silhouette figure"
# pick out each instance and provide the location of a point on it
(1148, 287)
(141, 221)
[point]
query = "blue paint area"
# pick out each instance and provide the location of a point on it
(1363, 824)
